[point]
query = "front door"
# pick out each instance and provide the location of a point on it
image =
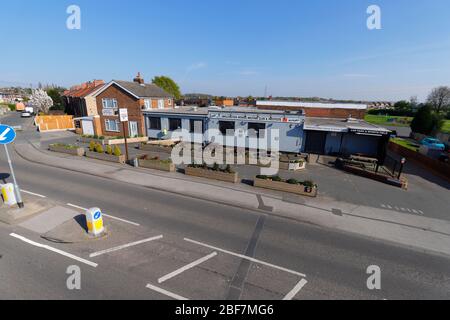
(133, 129)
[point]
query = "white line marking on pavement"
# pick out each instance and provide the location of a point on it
(165, 292)
(43, 246)
(248, 258)
(106, 215)
(296, 290)
(186, 267)
(33, 194)
(99, 253)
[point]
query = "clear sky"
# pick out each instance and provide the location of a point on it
(233, 47)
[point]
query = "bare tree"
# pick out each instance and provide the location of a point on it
(439, 99)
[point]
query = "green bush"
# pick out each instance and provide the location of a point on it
(228, 169)
(215, 167)
(99, 148)
(92, 146)
(308, 183)
(276, 178)
(109, 150)
(117, 151)
(292, 181)
(262, 177)
(12, 107)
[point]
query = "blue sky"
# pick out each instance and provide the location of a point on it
(233, 47)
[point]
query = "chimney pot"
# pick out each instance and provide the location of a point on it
(139, 79)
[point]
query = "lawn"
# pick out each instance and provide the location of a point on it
(407, 144)
(446, 127)
(388, 120)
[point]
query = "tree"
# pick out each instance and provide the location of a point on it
(402, 106)
(168, 85)
(439, 99)
(423, 122)
(55, 94)
(41, 101)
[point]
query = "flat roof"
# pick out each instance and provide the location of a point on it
(185, 110)
(299, 104)
(342, 125)
(193, 110)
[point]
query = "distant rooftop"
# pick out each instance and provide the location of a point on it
(300, 104)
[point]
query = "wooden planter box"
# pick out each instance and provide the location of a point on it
(75, 152)
(122, 141)
(284, 187)
(210, 174)
(157, 165)
(88, 140)
(293, 166)
(105, 157)
(155, 148)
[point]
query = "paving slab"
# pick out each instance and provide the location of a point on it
(49, 219)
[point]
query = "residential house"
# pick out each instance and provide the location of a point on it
(80, 102)
(136, 96)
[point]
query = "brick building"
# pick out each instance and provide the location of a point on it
(317, 110)
(136, 96)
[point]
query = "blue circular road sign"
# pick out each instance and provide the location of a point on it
(7, 134)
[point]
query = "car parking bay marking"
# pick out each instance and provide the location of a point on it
(165, 292)
(63, 253)
(131, 244)
(33, 194)
(105, 215)
(186, 267)
(246, 257)
(296, 290)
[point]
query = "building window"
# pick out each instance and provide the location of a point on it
(112, 125)
(169, 102)
(174, 124)
(225, 126)
(256, 129)
(192, 124)
(109, 103)
(161, 104)
(154, 123)
(148, 104)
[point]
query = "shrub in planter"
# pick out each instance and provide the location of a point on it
(109, 150)
(117, 151)
(99, 148)
(293, 181)
(276, 178)
(262, 177)
(92, 146)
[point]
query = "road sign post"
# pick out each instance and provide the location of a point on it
(123, 115)
(8, 135)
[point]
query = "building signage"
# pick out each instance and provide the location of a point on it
(367, 132)
(109, 112)
(253, 117)
(123, 114)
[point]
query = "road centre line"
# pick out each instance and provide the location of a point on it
(186, 267)
(106, 215)
(246, 257)
(165, 292)
(296, 290)
(33, 194)
(63, 253)
(132, 244)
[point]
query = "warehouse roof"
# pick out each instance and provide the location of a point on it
(299, 104)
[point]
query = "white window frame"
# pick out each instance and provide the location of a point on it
(105, 103)
(148, 104)
(169, 102)
(161, 104)
(108, 128)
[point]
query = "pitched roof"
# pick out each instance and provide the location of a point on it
(84, 89)
(144, 90)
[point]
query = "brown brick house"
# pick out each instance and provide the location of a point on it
(136, 96)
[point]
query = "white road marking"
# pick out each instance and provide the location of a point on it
(63, 253)
(247, 258)
(132, 244)
(33, 194)
(106, 215)
(296, 290)
(165, 292)
(186, 267)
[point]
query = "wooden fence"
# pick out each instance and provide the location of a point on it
(54, 123)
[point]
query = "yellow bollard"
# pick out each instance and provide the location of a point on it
(94, 221)
(8, 194)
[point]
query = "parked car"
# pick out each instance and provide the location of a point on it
(26, 114)
(433, 143)
(29, 109)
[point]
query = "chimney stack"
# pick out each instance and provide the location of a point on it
(139, 79)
